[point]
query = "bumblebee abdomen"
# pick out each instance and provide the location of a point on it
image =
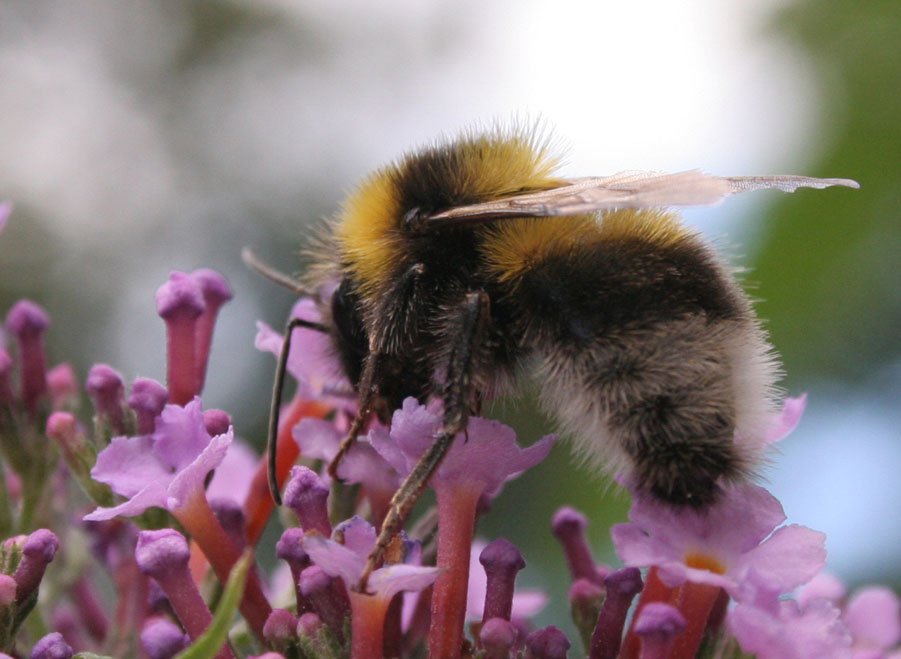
(642, 339)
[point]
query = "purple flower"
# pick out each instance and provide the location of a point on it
(482, 459)
(234, 474)
(148, 398)
(784, 632)
(107, 391)
(348, 560)
(161, 469)
(161, 638)
(526, 602)
(189, 304)
(784, 422)
(311, 360)
(27, 322)
(722, 545)
(62, 383)
(873, 616)
(320, 439)
(477, 465)
(822, 586)
(51, 646)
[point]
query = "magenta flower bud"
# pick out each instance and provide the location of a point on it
(216, 422)
(27, 321)
(37, 552)
(15, 542)
(215, 293)
(309, 624)
(7, 590)
(6, 367)
(568, 526)
(180, 303)
(873, 616)
(107, 391)
(280, 630)
(658, 624)
(62, 427)
(497, 637)
(622, 586)
(502, 561)
(289, 549)
(5, 209)
(585, 600)
(62, 384)
(231, 517)
(307, 496)
(316, 586)
(148, 398)
(547, 643)
(162, 639)
(164, 555)
(51, 646)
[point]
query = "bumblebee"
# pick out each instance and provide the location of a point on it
(470, 263)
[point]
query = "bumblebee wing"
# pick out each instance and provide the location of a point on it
(627, 190)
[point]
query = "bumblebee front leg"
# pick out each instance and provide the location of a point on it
(458, 392)
(368, 393)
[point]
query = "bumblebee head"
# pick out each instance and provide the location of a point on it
(371, 230)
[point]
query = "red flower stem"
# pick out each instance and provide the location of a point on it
(392, 644)
(89, 610)
(198, 519)
(258, 505)
(456, 521)
(367, 625)
(131, 608)
(695, 601)
(181, 378)
(654, 591)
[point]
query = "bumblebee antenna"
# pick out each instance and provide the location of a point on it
(251, 261)
(275, 404)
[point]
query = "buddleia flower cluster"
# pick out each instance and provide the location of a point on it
(131, 528)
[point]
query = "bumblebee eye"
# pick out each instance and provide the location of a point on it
(414, 219)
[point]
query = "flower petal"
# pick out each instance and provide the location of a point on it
(873, 617)
(234, 474)
(790, 557)
(388, 581)
(180, 434)
(128, 465)
(787, 420)
(359, 535)
(743, 516)
(154, 494)
(193, 476)
(337, 560)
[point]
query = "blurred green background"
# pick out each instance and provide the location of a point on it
(137, 138)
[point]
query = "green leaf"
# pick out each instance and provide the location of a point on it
(216, 636)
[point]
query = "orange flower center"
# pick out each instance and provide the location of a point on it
(704, 562)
